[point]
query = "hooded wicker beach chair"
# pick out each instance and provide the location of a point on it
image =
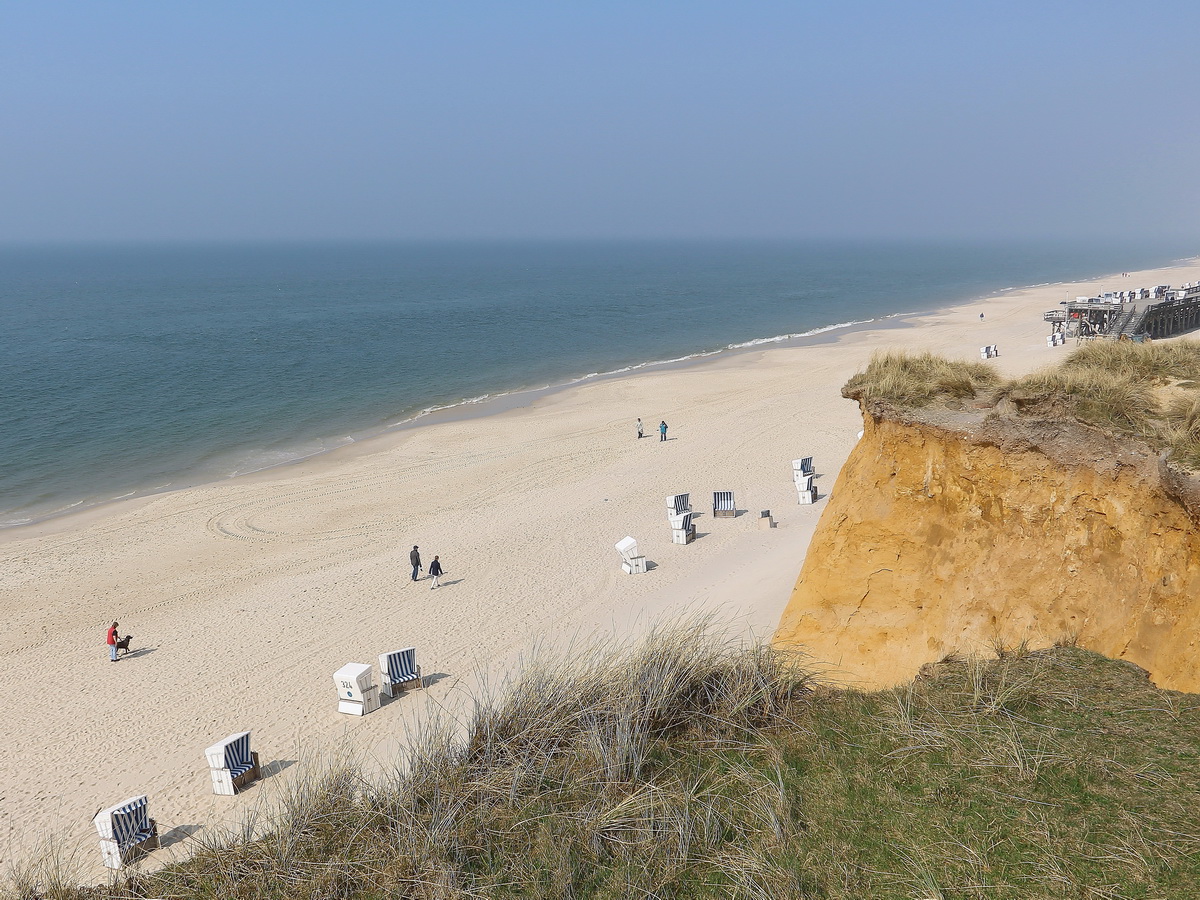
(358, 694)
(631, 562)
(126, 831)
(398, 668)
(723, 505)
(232, 764)
(802, 466)
(682, 529)
(677, 504)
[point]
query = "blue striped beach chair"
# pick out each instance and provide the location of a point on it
(682, 529)
(126, 831)
(399, 668)
(232, 764)
(678, 504)
(802, 466)
(723, 505)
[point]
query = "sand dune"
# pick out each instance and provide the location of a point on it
(245, 596)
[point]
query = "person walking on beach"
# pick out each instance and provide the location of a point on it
(435, 572)
(662, 430)
(415, 559)
(639, 429)
(111, 639)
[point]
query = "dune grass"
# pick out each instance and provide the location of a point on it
(919, 379)
(690, 767)
(1150, 391)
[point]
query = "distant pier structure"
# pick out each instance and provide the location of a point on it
(1130, 315)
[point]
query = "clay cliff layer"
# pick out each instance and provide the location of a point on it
(956, 532)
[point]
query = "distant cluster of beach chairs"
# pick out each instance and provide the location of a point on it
(680, 516)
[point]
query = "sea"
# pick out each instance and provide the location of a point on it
(134, 369)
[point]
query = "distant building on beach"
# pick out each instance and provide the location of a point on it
(1139, 313)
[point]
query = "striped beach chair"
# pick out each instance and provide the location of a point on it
(232, 764)
(682, 529)
(126, 831)
(802, 466)
(631, 562)
(399, 668)
(723, 505)
(678, 504)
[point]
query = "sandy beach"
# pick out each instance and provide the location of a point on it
(244, 596)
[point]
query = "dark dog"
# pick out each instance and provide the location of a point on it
(123, 643)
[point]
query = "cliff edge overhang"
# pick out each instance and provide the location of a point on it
(969, 525)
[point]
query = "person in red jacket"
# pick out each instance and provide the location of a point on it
(112, 639)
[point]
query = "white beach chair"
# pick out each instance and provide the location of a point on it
(806, 496)
(232, 764)
(399, 668)
(803, 482)
(989, 352)
(723, 507)
(631, 563)
(357, 692)
(802, 466)
(682, 529)
(126, 831)
(677, 504)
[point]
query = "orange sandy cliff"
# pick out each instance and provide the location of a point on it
(952, 531)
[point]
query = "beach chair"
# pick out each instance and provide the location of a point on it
(126, 831)
(806, 496)
(802, 466)
(765, 521)
(723, 507)
(989, 352)
(803, 482)
(631, 563)
(399, 668)
(357, 692)
(677, 504)
(682, 529)
(232, 764)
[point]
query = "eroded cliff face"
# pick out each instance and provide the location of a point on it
(957, 531)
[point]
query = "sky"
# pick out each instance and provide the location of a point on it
(451, 119)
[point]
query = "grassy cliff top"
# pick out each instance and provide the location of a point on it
(1150, 391)
(689, 767)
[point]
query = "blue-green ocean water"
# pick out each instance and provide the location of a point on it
(126, 370)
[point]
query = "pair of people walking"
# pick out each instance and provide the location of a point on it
(662, 430)
(435, 567)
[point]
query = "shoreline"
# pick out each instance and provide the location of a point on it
(503, 401)
(492, 404)
(463, 410)
(245, 595)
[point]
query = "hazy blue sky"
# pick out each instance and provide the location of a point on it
(350, 119)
